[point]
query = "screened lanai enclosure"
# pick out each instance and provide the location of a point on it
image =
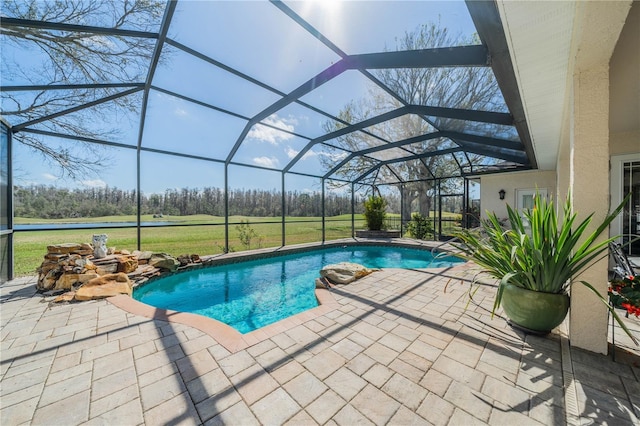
(245, 124)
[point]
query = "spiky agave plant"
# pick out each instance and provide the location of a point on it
(543, 256)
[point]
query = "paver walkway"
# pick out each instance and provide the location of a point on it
(397, 349)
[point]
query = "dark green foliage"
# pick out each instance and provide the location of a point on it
(375, 212)
(419, 227)
(49, 202)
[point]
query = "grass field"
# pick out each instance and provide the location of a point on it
(198, 234)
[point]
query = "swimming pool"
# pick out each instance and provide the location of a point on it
(251, 294)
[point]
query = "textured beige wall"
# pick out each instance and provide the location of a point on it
(598, 26)
(510, 182)
(587, 141)
(592, 130)
(624, 143)
(590, 193)
(624, 72)
(563, 167)
(624, 86)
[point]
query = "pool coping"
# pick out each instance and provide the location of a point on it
(232, 257)
(230, 338)
(224, 334)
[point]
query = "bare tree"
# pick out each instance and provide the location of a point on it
(454, 87)
(34, 56)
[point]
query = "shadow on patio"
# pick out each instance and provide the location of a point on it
(396, 349)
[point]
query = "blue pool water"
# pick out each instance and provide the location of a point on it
(251, 294)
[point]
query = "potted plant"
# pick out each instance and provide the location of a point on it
(536, 258)
(375, 212)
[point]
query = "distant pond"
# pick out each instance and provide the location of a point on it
(70, 225)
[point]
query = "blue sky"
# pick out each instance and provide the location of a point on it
(243, 35)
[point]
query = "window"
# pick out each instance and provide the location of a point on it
(625, 178)
(524, 197)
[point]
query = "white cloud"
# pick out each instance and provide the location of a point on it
(269, 134)
(291, 153)
(309, 154)
(266, 161)
(336, 157)
(180, 112)
(49, 176)
(95, 183)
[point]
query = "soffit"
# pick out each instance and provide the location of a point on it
(539, 35)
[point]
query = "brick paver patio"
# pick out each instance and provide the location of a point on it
(395, 348)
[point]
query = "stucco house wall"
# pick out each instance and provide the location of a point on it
(490, 185)
(624, 87)
(600, 123)
(624, 143)
(600, 120)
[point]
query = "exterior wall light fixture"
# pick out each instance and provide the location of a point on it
(502, 193)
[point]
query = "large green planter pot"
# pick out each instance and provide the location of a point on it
(534, 310)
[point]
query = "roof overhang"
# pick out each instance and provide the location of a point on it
(548, 43)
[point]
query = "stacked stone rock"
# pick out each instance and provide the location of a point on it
(72, 268)
(66, 265)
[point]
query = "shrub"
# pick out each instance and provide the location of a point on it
(374, 212)
(419, 227)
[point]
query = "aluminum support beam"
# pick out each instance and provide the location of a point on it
(59, 26)
(460, 56)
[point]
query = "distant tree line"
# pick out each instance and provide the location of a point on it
(49, 202)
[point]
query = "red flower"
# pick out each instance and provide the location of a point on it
(625, 293)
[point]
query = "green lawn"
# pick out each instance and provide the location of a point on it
(199, 234)
(193, 238)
